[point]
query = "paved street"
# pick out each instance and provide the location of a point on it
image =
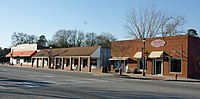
(32, 83)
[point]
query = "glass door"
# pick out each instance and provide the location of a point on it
(158, 67)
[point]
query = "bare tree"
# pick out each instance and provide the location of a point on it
(170, 26)
(31, 39)
(23, 38)
(60, 38)
(90, 39)
(120, 49)
(80, 39)
(105, 39)
(76, 38)
(67, 38)
(149, 22)
(72, 38)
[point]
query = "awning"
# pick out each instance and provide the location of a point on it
(21, 53)
(138, 55)
(156, 54)
(119, 58)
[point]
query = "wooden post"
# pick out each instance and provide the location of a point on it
(70, 63)
(43, 62)
(79, 63)
(49, 62)
(55, 63)
(32, 62)
(62, 63)
(89, 64)
(37, 62)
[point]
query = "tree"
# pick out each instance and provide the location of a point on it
(121, 49)
(192, 32)
(42, 41)
(67, 38)
(72, 38)
(60, 38)
(76, 38)
(149, 22)
(30, 39)
(3, 53)
(90, 39)
(105, 39)
(51, 43)
(80, 39)
(170, 26)
(23, 38)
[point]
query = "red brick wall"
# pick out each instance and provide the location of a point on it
(173, 43)
(96, 70)
(194, 57)
(85, 69)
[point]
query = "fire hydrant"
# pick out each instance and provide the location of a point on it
(175, 76)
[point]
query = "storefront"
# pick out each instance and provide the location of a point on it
(163, 56)
(85, 59)
(21, 54)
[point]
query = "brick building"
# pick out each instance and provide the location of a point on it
(164, 56)
(86, 59)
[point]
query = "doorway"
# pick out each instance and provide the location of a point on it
(158, 66)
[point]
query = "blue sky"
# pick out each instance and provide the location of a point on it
(45, 17)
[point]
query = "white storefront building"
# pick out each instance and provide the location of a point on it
(21, 54)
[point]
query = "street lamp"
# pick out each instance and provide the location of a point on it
(144, 62)
(12, 50)
(50, 60)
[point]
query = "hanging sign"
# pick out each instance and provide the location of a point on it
(158, 43)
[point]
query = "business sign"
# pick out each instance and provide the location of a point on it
(158, 43)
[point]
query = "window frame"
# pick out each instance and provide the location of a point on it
(170, 65)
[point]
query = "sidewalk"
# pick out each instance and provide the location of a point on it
(157, 77)
(150, 77)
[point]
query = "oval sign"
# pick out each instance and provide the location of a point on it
(158, 43)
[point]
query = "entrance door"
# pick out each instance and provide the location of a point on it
(158, 67)
(18, 61)
(125, 66)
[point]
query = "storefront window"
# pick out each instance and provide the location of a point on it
(27, 59)
(85, 61)
(175, 65)
(116, 64)
(141, 63)
(94, 63)
(18, 61)
(67, 62)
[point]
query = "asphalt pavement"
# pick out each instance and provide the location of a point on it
(33, 83)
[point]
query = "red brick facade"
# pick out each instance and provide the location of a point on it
(186, 48)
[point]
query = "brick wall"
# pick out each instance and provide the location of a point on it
(176, 47)
(194, 57)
